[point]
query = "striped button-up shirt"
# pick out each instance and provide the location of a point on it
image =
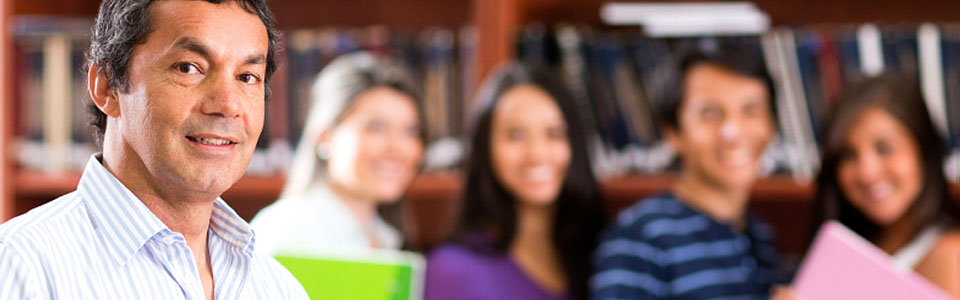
(102, 242)
(663, 249)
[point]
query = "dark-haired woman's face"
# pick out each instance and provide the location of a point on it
(529, 145)
(880, 168)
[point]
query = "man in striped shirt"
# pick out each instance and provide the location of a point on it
(697, 242)
(179, 88)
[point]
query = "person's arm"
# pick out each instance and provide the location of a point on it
(627, 268)
(17, 281)
(942, 265)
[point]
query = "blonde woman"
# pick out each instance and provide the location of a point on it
(360, 150)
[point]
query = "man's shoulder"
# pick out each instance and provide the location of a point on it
(653, 209)
(660, 220)
(50, 221)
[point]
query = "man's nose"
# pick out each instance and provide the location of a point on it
(222, 98)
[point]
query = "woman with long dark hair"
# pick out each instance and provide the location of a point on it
(882, 176)
(531, 209)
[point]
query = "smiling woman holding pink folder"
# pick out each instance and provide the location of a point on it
(882, 177)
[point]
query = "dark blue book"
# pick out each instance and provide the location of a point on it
(809, 46)
(849, 55)
(655, 65)
(950, 53)
(900, 50)
(603, 54)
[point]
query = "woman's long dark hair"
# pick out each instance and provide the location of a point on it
(489, 210)
(900, 97)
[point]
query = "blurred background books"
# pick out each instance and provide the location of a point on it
(615, 58)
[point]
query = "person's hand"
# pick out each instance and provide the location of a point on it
(782, 292)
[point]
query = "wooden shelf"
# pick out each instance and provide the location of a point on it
(773, 188)
(251, 193)
(777, 188)
(7, 201)
(434, 186)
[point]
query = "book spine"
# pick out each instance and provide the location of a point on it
(931, 75)
(871, 49)
(57, 100)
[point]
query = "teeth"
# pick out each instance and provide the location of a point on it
(539, 174)
(879, 190)
(212, 141)
(389, 168)
(738, 157)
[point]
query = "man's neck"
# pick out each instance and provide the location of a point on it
(191, 218)
(723, 204)
(181, 213)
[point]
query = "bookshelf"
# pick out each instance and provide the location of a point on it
(6, 111)
(779, 199)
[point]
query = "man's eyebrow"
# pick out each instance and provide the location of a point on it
(255, 59)
(193, 45)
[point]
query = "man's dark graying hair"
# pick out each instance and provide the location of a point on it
(124, 24)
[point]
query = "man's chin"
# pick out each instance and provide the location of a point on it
(735, 179)
(213, 184)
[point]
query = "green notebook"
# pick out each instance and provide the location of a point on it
(388, 275)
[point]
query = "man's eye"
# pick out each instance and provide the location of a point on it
(187, 68)
(516, 135)
(711, 114)
(249, 78)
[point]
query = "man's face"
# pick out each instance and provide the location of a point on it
(195, 106)
(724, 126)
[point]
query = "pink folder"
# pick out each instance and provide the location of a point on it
(843, 265)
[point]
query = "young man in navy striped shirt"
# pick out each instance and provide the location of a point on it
(697, 241)
(179, 88)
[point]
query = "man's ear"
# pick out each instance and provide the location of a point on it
(670, 134)
(103, 95)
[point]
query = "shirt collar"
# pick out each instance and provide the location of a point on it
(126, 224)
(226, 224)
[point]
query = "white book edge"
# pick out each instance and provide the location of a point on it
(931, 74)
(688, 19)
(869, 41)
(807, 143)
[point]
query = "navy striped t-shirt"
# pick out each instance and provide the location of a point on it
(660, 248)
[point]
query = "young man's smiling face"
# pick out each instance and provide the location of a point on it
(194, 111)
(725, 123)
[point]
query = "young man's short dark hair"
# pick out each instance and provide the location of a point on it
(736, 58)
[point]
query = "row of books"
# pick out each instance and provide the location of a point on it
(52, 125)
(620, 75)
(616, 74)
